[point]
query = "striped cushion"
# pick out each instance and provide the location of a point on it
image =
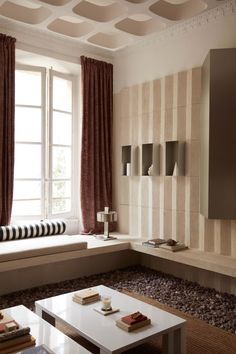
(42, 228)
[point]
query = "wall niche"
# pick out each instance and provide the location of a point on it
(175, 159)
(150, 159)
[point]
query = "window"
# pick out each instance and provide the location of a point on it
(44, 150)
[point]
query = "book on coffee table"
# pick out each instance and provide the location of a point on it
(130, 328)
(7, 323)
(15, 341)
(14, 334)
(133, 321)
(13, 348)
(13, 337)
(134, 318)
(86, 296)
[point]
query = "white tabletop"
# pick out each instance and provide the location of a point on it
(102, 330)
(44, 333)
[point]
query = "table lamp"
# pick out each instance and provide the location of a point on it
(106, 216)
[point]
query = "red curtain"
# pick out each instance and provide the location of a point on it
(96, 153)
(7, 118)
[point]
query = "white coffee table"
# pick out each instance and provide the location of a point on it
(44, 333)
(102, 330)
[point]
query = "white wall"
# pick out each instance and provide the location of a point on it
(175, 50)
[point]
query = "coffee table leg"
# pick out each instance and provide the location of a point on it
(38, 311)
(174, 342)
(50, 319)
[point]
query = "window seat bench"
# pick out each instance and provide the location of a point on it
(43, 250)
(43, 260)
(217, 263)
(33, 262)
(24, 253)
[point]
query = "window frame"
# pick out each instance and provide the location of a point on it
(46, 144)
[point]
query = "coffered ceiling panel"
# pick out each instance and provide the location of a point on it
(70, 27)
(101, 11)
(178, 10)
(109, 41)
(139, 25)
(24, 11)
(107, 24)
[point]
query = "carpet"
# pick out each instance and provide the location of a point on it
(202, 338)
(215, 308)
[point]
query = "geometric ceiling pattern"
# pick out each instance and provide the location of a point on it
(108, 24)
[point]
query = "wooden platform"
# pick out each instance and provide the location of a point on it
(205, 260)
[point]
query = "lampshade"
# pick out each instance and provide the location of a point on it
(106, 216)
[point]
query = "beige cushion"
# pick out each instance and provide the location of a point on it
(27, 248)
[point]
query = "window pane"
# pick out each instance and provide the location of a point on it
(61, 206)
(28, 124)
(61, 189)
(30, 207)
(61, 162)
(27, 161)
(27, 189)
(62, 94)
(61, 128)
(28, 87)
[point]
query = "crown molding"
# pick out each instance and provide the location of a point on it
(36, 39)
(187, 26)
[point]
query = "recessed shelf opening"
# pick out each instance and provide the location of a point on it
(147, 158)
(174, 163)
(150, 159)
(126, 160)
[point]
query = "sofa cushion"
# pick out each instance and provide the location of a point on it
(21, 249)
(42, 228)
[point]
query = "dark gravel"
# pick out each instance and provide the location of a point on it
(216, 308)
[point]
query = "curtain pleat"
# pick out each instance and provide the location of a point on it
(96, 150)
(7, 125)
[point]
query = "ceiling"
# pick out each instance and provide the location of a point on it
(106, 24)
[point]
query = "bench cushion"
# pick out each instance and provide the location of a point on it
(21, 249)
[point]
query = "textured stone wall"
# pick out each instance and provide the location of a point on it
(160, 206)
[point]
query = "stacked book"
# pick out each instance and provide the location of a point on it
(154, 242)
(170, 244)
(178, 246)
(13, 337)
(133, 321)
(86, 296)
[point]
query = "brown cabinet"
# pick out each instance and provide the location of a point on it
(218, 135)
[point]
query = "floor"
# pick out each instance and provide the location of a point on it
(217, 309)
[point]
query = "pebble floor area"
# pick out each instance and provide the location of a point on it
(217, 309)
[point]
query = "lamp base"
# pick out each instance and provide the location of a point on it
(105, 238)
